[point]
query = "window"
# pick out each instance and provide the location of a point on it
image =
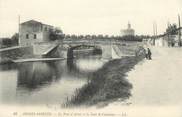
(45, 28)
(27, 36)
(35, 36)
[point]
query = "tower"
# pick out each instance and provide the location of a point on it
(129, 25)
(128, 31)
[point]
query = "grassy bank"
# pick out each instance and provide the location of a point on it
(107, 84)
(8, 55)
(5, 60)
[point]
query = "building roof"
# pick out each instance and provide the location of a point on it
(31, 22)
(34, 22)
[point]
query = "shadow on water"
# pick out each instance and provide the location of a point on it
(33, 75)
(76, 81)
(84, 67)
(44, 82)
(7, 67)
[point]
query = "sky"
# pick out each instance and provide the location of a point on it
(90, 16)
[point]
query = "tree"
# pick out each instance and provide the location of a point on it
(100, 36)
(6, 42)
(172, 29)
(56, 34)
(73, 36)
(67, 36)
(15, 39)
(106, 36)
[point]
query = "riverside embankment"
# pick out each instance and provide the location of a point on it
(107, 84)
(13, 53)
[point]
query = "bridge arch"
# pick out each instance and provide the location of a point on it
(70, 52)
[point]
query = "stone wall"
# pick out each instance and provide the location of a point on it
(13, 54)
(33, 31)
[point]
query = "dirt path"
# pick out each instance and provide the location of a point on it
(157, 86)
(159, 81)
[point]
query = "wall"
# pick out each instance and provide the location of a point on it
(40, 30)
(46, 32)
(13, 54)
(30, 30)
(106, 51)
(127, 32)
(159, 42)
(40, 48)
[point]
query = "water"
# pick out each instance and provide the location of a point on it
(37, 83)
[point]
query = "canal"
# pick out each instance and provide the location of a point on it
(40, 83)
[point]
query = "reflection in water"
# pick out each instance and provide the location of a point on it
(84, 66)
(44, 82)
(7, 67)
(88, 65)
(32, 75)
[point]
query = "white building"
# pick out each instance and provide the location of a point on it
(33, 31)
(128, 31)
(161, 42)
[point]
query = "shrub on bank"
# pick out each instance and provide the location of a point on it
(108, 83)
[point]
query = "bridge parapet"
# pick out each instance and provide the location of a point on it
(42, 48)
(120, 48)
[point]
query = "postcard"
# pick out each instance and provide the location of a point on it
(90, 58)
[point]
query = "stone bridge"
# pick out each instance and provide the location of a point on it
(65, 48)
(62, 49)
(110, 49)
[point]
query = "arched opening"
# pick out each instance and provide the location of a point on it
(93, 50)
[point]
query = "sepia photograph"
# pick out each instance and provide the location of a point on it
(90, 58)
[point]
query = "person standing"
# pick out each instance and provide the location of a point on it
(149, 54)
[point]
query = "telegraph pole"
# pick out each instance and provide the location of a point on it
(154, 34)
(154, 31)
(19, 29)
(179, 31)
(168, 25)
(156, 28)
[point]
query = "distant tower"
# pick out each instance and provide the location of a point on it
(129, 25)
(128, 32)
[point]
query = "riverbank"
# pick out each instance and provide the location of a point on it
(14, 53)
(107, 84)
(5, 61)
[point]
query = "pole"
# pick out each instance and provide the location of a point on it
(179, 30)
(19, 29)
(156, 28)
(168, 41)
